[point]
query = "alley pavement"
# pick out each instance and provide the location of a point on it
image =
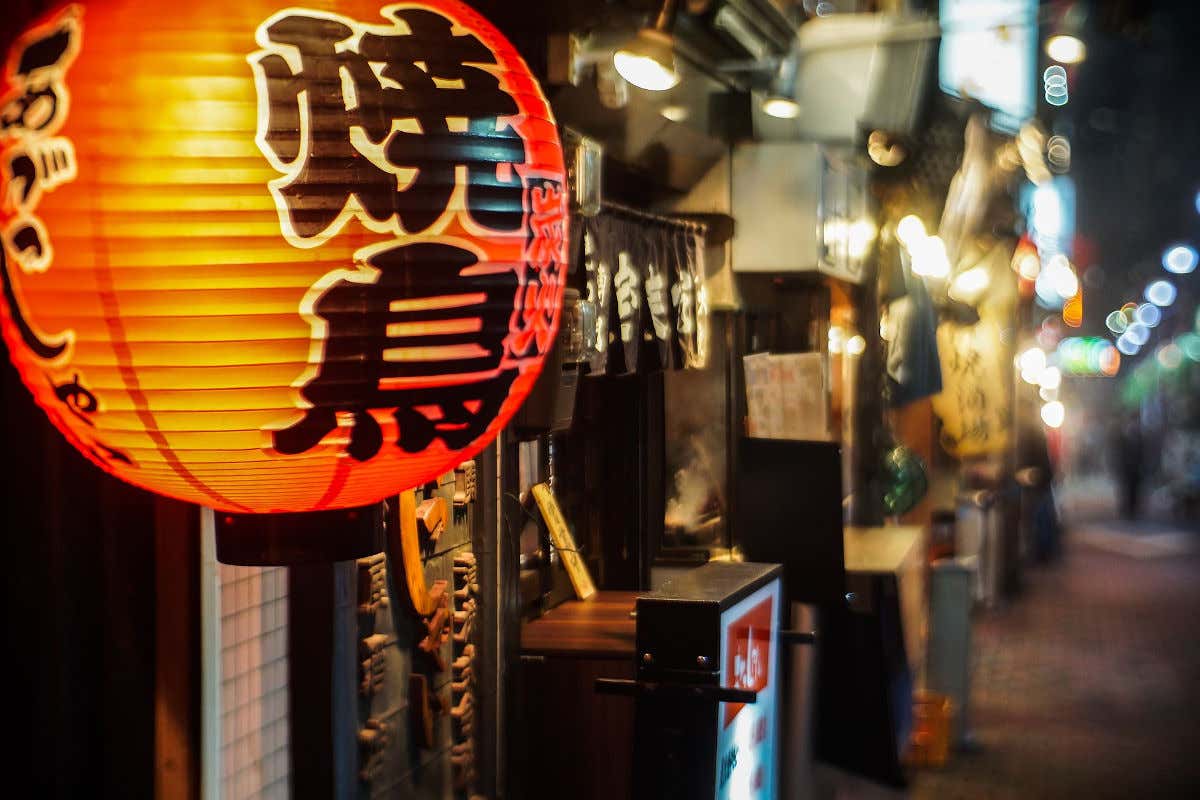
(1087, 684)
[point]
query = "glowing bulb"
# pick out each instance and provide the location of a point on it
(929, 258)
(1161, 293)
(859, 237)
(968, 285)
(1148, 314)
(675, 113)
(1066, 49)
(1029, 266)
(645, 72)
(1063, 277)
(837, 338)
(781, 107)
(1180, 259)
(856, 345)
(1032, 363)
(1047, 211)
(910, 230)
(1054, 414)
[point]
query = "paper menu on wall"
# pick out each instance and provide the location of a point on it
(764, 401)
(786, 396)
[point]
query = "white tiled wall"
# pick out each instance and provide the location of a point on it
(254, 696)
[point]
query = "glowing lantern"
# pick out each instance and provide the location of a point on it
(277, 260)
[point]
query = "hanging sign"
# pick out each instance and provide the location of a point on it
(657, 283)
(277, 260)
(974, 402)
(627, 285)
(598, 276)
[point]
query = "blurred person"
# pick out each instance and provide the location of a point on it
(1128, 448)
(1035, 474)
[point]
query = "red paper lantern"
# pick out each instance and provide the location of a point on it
(277, 260)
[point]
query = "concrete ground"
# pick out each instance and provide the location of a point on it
(1087, 685)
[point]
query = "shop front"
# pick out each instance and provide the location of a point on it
(537, 396)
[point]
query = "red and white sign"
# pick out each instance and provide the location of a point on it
(746, 738)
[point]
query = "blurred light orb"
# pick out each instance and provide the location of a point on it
(1054, 414)
(1148, 314)
(781, 107)
(1066, 49)
(675, 112)
(856, 345)
(910, 230)
(1051, 378)
(1029, 266)
(1031, 363)
(1180, 259)
(837, 339)
(1063, 277)
(1161, 293)
(1110, 361)
(968, 285)
(1189, 343)
(1116, 322)
(1170, 356)
(1138, 333)
(1126, 345)
(929, 259)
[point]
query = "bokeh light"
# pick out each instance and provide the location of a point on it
(1189, 343)
(1054, 414)
(1148, 314)
(1161, 293)
(1170, 356)
(1180, 259)
(1116, 322)
(1138, 333)
(1031, 363)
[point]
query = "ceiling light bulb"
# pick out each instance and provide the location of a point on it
(648, 61)
(675, 113)
(1066, 49)
(644, 72)
(781, 107)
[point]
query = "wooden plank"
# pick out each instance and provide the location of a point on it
(563, 541)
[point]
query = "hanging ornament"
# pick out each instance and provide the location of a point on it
(277, 260)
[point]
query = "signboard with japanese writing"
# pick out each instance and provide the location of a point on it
(277, 260)
(747, 739)
(974, 403)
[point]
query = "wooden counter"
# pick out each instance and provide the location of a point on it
(578, 744)
(881, 550)
(600, 627)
